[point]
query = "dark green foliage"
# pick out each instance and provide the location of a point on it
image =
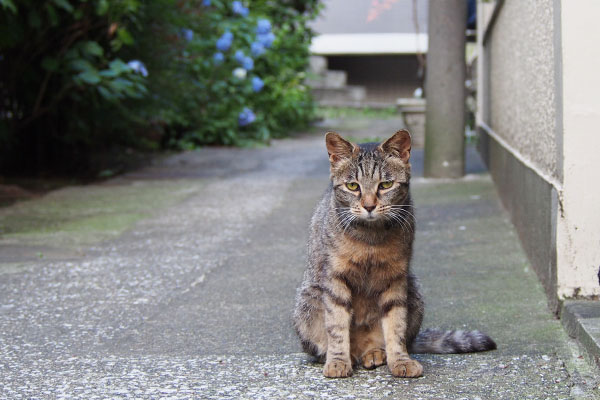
(63, 86)
(79, 76)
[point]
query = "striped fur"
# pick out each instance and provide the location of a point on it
(451, 341)
(359, 302)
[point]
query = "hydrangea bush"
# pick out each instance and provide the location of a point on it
(239, 74)
(82, 75)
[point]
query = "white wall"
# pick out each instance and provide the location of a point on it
(578, 230)
(560, 141)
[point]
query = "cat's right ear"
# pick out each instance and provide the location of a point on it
(339, 148)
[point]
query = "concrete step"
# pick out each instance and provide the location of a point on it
(318, 65)
(347, 94)
(330, 79)
(581, 319)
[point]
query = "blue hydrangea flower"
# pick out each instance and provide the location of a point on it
(218, 58)
(257, 84)
(263, 26)
(187, 34)
(238, 8)
(248, 63)
(239, 56)
(266, 39)
(206, 3)
(246, 117)
(138, 66)
(257, 49)
(225, 41)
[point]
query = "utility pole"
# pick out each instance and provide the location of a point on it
(445, 89)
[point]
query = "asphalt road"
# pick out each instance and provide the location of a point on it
(178, 281)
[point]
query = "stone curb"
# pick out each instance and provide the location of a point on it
(581, 320)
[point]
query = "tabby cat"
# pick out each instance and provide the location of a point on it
(359, 303)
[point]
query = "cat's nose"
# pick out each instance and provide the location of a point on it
(369, 208)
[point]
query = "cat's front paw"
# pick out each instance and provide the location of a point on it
(406, 368)
(337, 369)
(373, 359)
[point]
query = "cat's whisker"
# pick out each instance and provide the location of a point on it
(345, 220)
(405, 220)
(344, 217)
(407, 213)
(405, 228)
(349, 222)
(341, 214)
(388, 218)
(393, 218)
(400, 209)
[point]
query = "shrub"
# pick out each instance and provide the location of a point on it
(63, 86)
(79, 76)
(236, 73)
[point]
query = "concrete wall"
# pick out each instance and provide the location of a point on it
(538, 113)
(522, 85)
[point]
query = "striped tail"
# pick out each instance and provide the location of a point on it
(444, 342)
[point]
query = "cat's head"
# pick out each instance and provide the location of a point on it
(371, 180)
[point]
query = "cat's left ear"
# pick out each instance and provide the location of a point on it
(398, 145)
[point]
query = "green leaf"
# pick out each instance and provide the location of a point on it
(109, 73)
(92, 48)
(121, 84)
(64, 4)
(52, 15)
(118, 66)
(50, 64)
(9, 4)
(90, 77)
(80, 64)
(104, 92)
(102, 7)
(125, 36)
(116, 44)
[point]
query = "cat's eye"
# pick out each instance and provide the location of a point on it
(386, 185)
(352, 186)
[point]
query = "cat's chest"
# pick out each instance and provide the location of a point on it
(369, 268)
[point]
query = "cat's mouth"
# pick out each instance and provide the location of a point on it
(370, 216)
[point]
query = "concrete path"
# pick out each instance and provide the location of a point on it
(178, 281)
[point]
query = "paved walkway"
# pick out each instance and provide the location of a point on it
(178, 281)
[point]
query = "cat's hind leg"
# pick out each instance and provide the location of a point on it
(309, 322)
(368, 346)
